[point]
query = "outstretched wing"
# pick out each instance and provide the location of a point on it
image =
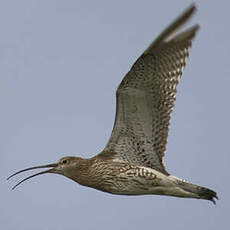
(146, 96)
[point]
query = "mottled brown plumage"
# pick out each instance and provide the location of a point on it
(132, 161)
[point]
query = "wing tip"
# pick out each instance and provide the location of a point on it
(170, 32)
(188, 34)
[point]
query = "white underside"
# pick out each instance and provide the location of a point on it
(166, 185)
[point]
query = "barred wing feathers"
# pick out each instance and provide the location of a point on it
(146, 95)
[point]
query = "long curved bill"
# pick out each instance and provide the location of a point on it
(52, 166)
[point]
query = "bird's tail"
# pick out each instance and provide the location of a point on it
(189, 190)
(201, 192)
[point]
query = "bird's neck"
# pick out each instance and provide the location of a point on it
(81, 173)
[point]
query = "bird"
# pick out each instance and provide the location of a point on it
(132, 161)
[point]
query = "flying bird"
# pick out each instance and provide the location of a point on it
(132, 161)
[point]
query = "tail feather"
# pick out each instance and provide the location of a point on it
(202, 192)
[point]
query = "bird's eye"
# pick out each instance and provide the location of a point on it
(64, 161)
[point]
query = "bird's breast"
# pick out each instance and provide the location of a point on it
(123, 178)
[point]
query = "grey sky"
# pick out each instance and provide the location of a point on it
(60, 64)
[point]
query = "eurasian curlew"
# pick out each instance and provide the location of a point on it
(132, 161)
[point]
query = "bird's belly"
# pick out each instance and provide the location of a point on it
(137, 181)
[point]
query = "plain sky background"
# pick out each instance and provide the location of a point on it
(60, 64)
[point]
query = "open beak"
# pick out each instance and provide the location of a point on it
(52, 170)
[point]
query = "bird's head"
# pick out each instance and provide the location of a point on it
(66, 166)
